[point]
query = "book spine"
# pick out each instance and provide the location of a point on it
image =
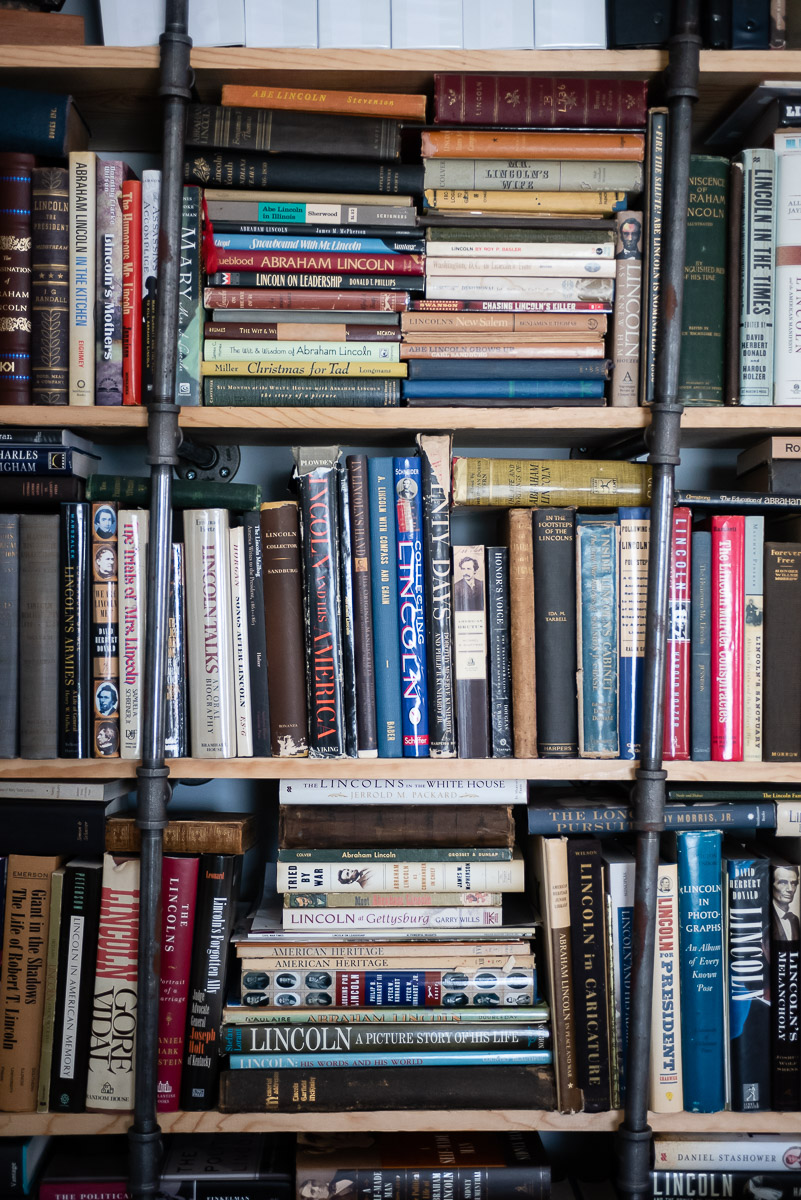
(506, 482)
(727, 638)
(404, 989)
(749, 997)
(627, 310)
(516, 176)
(736, 1184)
(677, 668)
(597, 635)
(620, 889)
(384, 854)
(701, 647)
(345, 1039)
(656, 141)
(384, 580)
(787, 281)
(22, 989)
(405, 901)
(753, 644)
(293, 331)
(327, 101)
(257, 636)
(469, 874)
(190, 303)
(108, 287)
(499, 651)
(132, 292)
(522, 144)
(734, 284)
(782, 687)
(292, 133)
(538, 100)
(243, 720)
(724, 1153)
(105, 645)
(266, 393)
(347, 620)
(703, 312)
(15, 277)
(151, 204)
(29, 492)
(286, 171)
(83, 252)
(435, 460)
(555, 631)
(435, 1058)
(319, 538)
(551, 860)
(283, 618)
(265, 240)
(666, 1078)
(758, 235)
(303, 299)
(519, 537)
(411, 607)
(470, 651)
(398, 825)
(300, 280)
(179, 878)
(785, 918)
(590, 973)
(49, 1003)
(355, 919)
(78, 948)
(701, 970)
(9, 633)
(217, 894)
(635, 537)
(39, 635)
(132, 541)
(362, 605)
(74, 739)
(112, 1037)
(510, 288)
(348, 263)
(176, 743)
(209, 633)
(50, 286)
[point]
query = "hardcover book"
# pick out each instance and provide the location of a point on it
(597, 635)
(666, 1094)
(703, 312)
(179, 878)
(283, 598)
(411, 607)
(288, 132)
(635, 538)
(384, 582)
(39, 635)
(9, 632)
(15, 277)
(727, 637)
(83, 252)
(539, 100)
(111, 174)
(470, 651)
(132, 292)
(757, 316)
(132, 547)
(522, 631)
(50, 286)
(748, 983)
(74, 681)
(499, 651)
(190, 308)
(627, 319)
(105, 632)
(362, 604)
(677, 668)
(209, 633)
(782, 688)
(435, 464)
(555, 631)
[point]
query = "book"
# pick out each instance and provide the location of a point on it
(734, 284)
(785, 917)
(653, 217)
(517, 176)
(301, 368)
(628, 310)
(15, 276)
(522, 631)
(787, 386)
(151, 200)
(703, 311)
(20, 1163)
(347, 622)
(398, 825)
(748, 983)
(252, 171)
(551, 203)
(304, 298)
(208, 611)
(132, 538)
(326, 100)
(9, 632)
(700, 647)
(781, 728)
(386, 854)
(727, 638)
(132, 292)
(243, 720)
(74, 679)
(349, 263)
(258, 677)
(753, 640)
(588, 950)
(736, 1183)
(438, 1058)
(281, 212)
(190, 309)
(37, 459)
(105, 641)
(555, 631)
(499, 482)
(470, 651)
(219, 350)
(31, 493)
(284, 131)
(634, 538)
(411, 607)
(179, 878)
(435, 458)
(345, 1039)
(676, 733)
(381, 792)
(362, 604)
(176, 737)
(281, 564)
(666, 1087)
(51, 979)
(287, 331)
(523, 144)
(499, 651)
(510, 288)
(757, 314)
(187, 833)
(565, 815)
(83, 1171)
(465, 875)
(597, 650)
(723, 1152)
(49, 285)
(82, 257)
(267, 393)
(534, 392)
(538, 100)
(110, 176)
(44, 123)
(619, 882)
(320, 281)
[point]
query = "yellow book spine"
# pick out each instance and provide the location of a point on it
(260, 366)
(591, 203)
(531, 483)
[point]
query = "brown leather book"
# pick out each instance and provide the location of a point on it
(283, 614)
(492, 143)
(15, 277)
(40, 29)
(50, 285)
(190, 833)
(520, 540)
(310, 825)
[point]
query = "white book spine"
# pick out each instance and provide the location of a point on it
(402, 791)
(132, 549)
(218, 350)
(531, 175)
(452, 249)
(753, 642)
(151, 206)
(787, 328)
(556, 268)
(755, 1152)
(82, 276)
(491, 287)
(390, 918)
(400, 876)
(239, 626)
(620, 886)
(666, 1080)
(209, 634)
(757, 277)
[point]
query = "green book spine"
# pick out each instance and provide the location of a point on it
(135, 490)
(701, 368)
(301, 393)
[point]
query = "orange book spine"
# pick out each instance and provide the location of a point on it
(607, 147)
(355, 104)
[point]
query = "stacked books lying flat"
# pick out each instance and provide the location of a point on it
(715, 1165)
(391, 975)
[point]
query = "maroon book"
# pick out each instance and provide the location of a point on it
(15, 277)
(540, 100)
(178, 895)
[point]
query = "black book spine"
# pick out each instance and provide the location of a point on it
(9, 634)
(288, 132)
(218, 891)
(589, 961)
(362, 604)
(331, 1090)
(74, 682)
(781, 725)
(347, 617)
(316, 174)
(176, 740)
(65, 827)
(319, 280)
(50, 291)
(40, 491)
(77, 957)
(38, 638)
(257, 637)
(555, 631)
(435, 473)
(748, 896)
(785, 950)
(12, 1166)
(462, 1183)
(500, 651)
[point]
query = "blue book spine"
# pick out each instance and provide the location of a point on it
(411, 608)
(36, 122)
(316, 245)
(748, 931)
(44, 460)
(701, 648)
(384, 584)
(504, 389)
(635, 531)
(701, 956)
(538, 368)
(598, 657)
(439, 1058)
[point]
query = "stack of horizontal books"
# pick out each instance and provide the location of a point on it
(316, 246)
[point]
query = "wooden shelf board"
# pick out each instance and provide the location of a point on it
(583, 769)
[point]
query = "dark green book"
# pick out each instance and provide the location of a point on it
(701, 369)
(134, 490)
(301, 393)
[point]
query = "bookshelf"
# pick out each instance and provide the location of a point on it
(117, 89)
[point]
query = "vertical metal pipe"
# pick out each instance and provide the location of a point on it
(634, 1135)
(163, 435)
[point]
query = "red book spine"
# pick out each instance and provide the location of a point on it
(132, 292)
(677, 667)
(540, 100)
(345, 264)
(178, 894)
(267, 298)
(728, 566)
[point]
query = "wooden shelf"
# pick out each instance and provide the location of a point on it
(585, 770)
